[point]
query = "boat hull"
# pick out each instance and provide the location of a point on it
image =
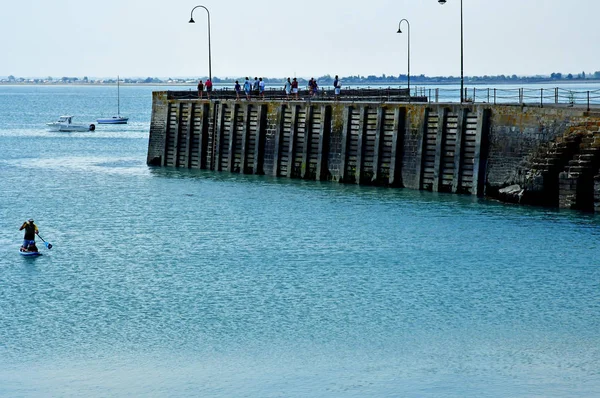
(113, 120)
(70, 127)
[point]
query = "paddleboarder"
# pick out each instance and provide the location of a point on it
(29, 239)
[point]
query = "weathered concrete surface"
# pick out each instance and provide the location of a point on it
(158, 128)
(531, 146)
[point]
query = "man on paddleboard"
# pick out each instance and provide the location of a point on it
(29, 239)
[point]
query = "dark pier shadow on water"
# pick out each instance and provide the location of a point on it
(335, 191)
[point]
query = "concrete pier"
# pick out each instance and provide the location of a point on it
(541, 156)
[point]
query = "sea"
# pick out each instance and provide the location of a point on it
(168, 282)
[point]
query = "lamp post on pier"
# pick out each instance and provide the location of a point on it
(462, 79)
(209, 55)
(400, 31)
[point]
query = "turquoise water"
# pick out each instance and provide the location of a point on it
(166, 282)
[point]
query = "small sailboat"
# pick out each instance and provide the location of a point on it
(115, 119)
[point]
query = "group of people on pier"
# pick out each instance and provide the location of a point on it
(202, 86)
(256, 89)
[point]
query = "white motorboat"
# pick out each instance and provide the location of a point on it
(65, 124)
(115, 119)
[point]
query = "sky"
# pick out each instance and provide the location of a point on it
(152, 38)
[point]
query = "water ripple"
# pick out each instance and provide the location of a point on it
(175, 282)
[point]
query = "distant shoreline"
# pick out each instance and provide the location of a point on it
(361, 84)
(94, 84)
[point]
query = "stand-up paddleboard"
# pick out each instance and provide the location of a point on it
(29, 254)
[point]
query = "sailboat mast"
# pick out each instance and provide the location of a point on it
(116, 119)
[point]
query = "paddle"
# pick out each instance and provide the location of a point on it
(48, 245)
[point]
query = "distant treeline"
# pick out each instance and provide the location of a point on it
(323, 80)
(401, 79)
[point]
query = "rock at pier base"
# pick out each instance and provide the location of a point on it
(511, 194)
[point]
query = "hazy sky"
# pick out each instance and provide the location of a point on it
(305, 38)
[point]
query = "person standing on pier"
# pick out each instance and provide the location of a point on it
(311, 86)
(315, 87)
(288, 88)
(208, 87)
(337, 88)
(200, 89)
(247, 88)
(261, 87)
(295, 88)
(237, 88)
(255, 86)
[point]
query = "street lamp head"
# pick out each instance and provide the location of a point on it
(400, 26)
(442, 2)
(192, 20)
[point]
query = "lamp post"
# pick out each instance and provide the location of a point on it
(209, 56)
(400, 31)
(462, 79)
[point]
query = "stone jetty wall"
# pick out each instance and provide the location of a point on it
(540, 156)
